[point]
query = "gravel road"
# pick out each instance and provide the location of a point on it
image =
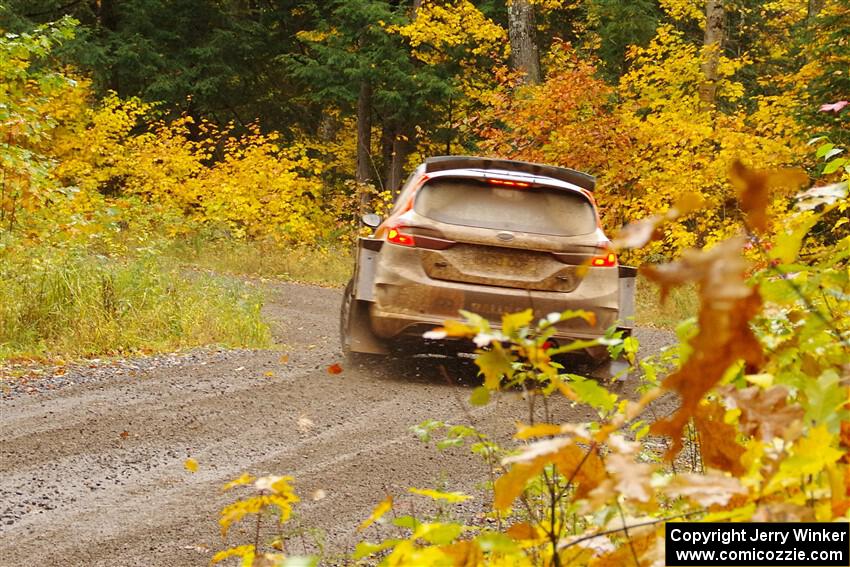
(92, 461)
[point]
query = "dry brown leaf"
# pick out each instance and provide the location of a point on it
(783, 512)
(717, 444)
(639, 233)
(754, 190)
(124, 434)
(632, 480)
(644, 546)
(712, 489)
(726, 306)
(305, 424)
(764, 413)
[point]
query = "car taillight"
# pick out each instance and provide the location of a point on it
(396, 236)
(607, 260)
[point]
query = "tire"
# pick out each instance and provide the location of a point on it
(345, 319)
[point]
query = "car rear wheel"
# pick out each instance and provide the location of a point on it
(345, 319)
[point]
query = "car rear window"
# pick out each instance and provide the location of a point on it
(539, 210)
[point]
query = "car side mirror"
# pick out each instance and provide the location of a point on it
(371, 220)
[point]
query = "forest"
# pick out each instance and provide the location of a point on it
(155, 152)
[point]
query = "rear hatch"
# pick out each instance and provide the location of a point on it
(505, 233)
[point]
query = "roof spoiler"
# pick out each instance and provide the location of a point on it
(443, 163)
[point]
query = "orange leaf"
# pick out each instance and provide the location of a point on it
(334, 368)
(584, 468)
(726, 306)
(717, 440)
(523, 531)
(510, 485)
(754, 189)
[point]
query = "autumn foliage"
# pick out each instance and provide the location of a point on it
(93, 186)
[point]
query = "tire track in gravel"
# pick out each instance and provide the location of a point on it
(91, 473)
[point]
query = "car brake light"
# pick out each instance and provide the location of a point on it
(397, 237)
(608, 260)
(508, 183)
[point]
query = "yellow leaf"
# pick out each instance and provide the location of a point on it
(437, 495)
(508, 486)
(242, 480)
(513, 322)
(494, 364)
(243, 551)
(382, 508)
(811, 455)
(191, 465)
(540, 430)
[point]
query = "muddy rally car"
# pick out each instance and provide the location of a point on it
(489, 236)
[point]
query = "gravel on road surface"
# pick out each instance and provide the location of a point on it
(92, 459)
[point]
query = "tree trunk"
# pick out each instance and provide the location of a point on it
(402, 146)
(813, 9)
(107, 19)
(388, 132)
(522, 33)
(364, 133)
(715, 20)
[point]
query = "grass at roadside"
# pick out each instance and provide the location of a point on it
(681, 303)
(329, 266)
(72, 303)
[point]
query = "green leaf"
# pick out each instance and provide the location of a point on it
(833, 166)
(438, 534)
(824, 149)
(825, 399)
(494, 542)
(592, 394)
(423, 430)
(788, 245)
(494, 364)
(480, 396)
(365, 549)
(449, 442)
(406, 521)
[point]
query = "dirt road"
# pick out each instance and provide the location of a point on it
(91, 472)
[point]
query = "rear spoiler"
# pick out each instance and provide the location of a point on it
(444, 163)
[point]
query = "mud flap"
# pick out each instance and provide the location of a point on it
(361, 337)
(626, 317)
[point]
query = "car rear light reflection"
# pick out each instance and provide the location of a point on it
(507, 183)
(396, 236)
(608, 260)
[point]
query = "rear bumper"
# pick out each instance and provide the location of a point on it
(407, 300)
